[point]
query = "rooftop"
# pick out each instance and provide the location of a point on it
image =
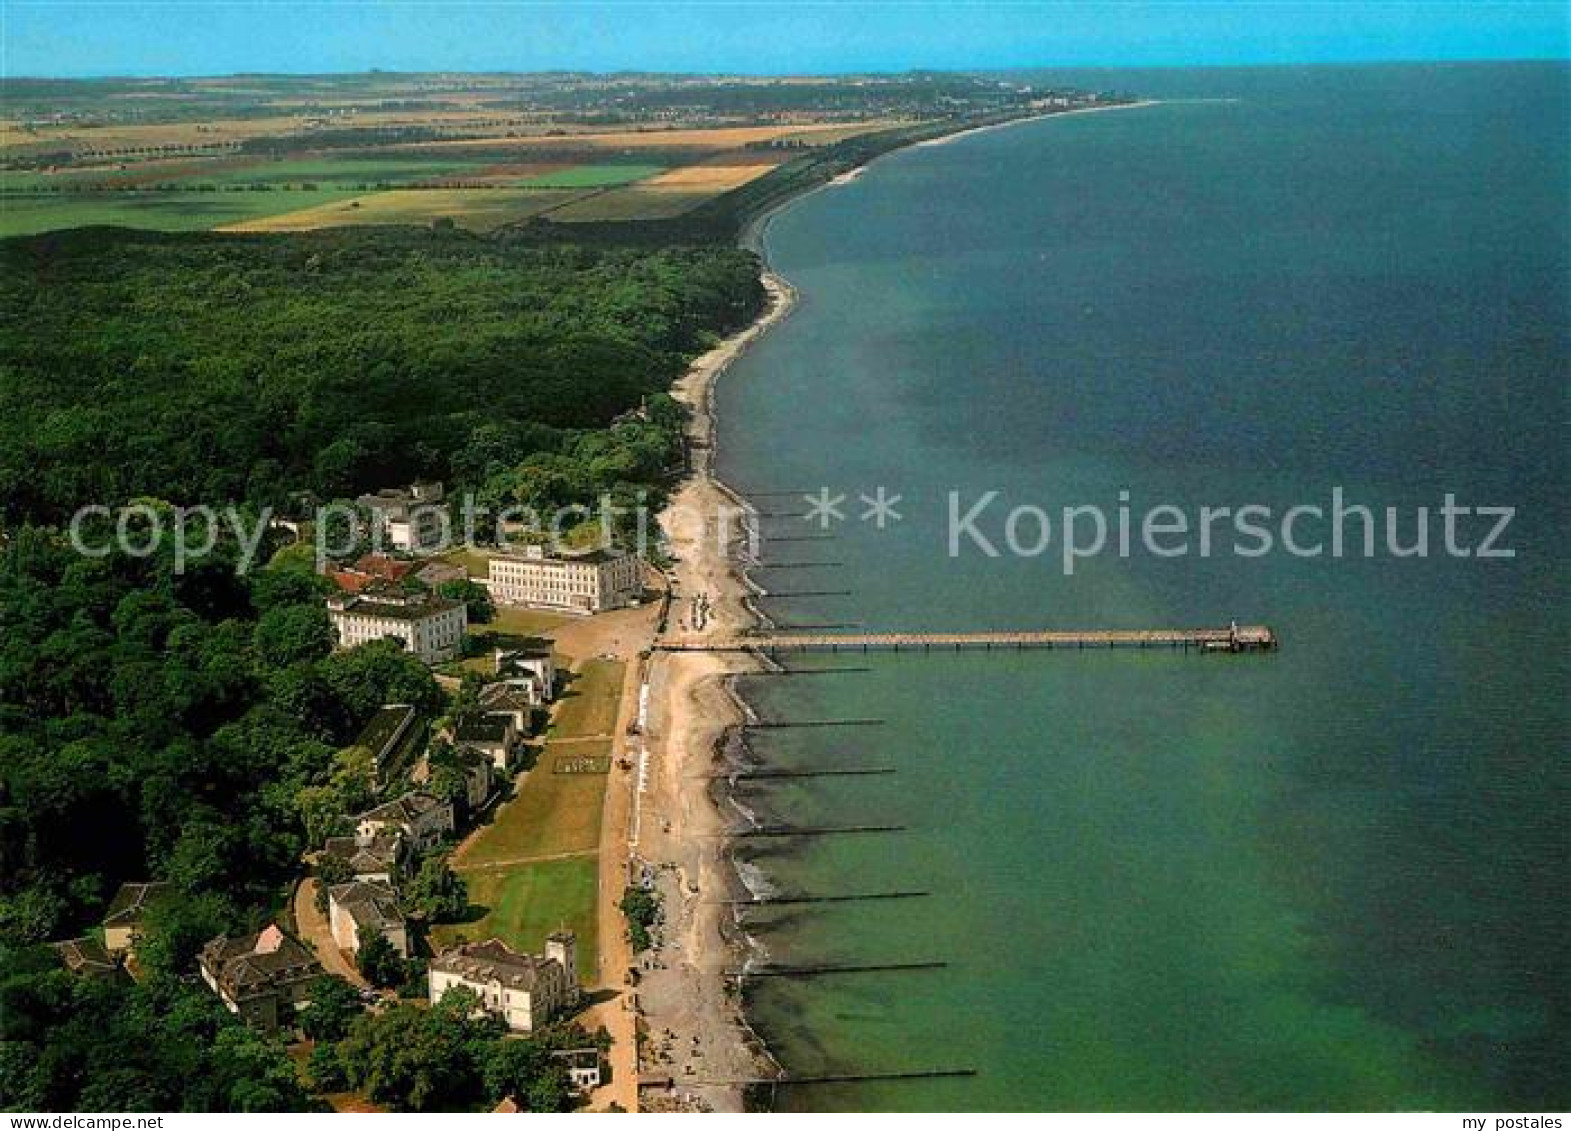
(502, 697)
(252, 962)
(493, 961)
(86, 956)
(393, 605)
(369, 904)
(130, 903)
(490, 727)
(385, 727)
(409, 807)
(380, 565)
(539, 555)
(381, 855)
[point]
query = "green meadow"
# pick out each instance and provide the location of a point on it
(525, 903)
(592, 176)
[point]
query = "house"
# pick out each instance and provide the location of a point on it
(436, 573)
(379, 860)
(360, 905)
(393, 736)
(123, 920)
(535, 659)
(588, 582)
(583, 1067)
(479, 778)
(88, 957)
(496, 734)
(531, 668)
(411, 519)
(525, 990)
(420, 819)
(427, 626)
(263, 978)
(516, 704)
(368, 571)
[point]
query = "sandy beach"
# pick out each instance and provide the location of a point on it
(945, 139)
(694, 1030)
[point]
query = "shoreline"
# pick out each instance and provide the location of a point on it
(697, 1032)
(685, 1001)
(751, 237)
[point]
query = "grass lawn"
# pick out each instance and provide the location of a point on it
(513, 621)
(526, 903)
(553, 813)
(591, 176)
(588, 705)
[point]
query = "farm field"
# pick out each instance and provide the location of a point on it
(477, 209)
(591, 176)
(161, 211)
(718, 174)
(351, 170)
(636, 202)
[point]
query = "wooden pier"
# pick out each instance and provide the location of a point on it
(1232, 639)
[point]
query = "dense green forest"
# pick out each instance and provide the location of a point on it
(185, 726)
(204, 368)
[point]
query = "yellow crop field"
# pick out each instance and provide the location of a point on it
(479, 210)
(715, 175)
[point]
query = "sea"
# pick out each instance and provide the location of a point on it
(1330, 877)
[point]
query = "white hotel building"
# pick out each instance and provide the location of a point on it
(577, 583)
(524, 990)
(431, 628)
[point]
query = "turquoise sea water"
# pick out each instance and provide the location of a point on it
(1334, 877)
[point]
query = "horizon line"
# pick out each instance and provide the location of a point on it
(860, 73)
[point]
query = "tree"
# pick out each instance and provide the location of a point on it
(377, 961)
(525, 1070)
(435, 892)
(252, 1074)
(416, 1059)
(291, 634)
(176, 927)
(642, 909)
(325, 1071)
(69, 1043)
(334, 1005)
(476, 598)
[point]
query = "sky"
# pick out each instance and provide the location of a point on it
(66, 38)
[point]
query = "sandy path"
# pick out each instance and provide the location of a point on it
(315, 930)
(613, 1006)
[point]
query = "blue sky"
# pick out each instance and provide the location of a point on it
(204, 37)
